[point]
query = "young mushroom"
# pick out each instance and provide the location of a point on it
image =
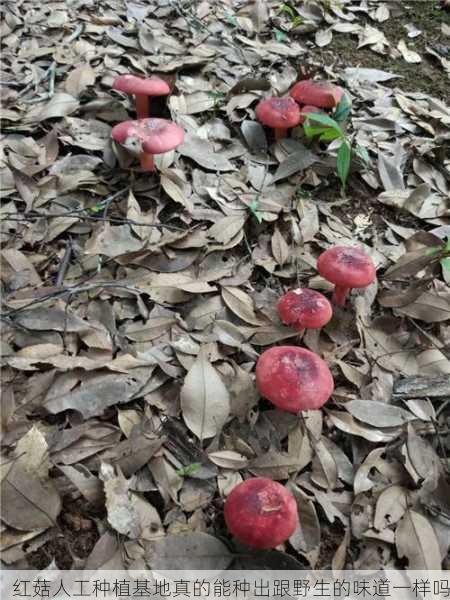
(261, 513)
(321, 94)
(304, 309)
(347, 267)
(304, 110)
(154, 136)
(143, 90)
(294, 379)
(278, 113)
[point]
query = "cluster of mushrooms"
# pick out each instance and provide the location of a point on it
(260, 512)
(308, 96)
(154, 136)
(157, 136)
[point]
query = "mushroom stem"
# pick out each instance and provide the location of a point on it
(280, 133)
(147, 162)
(142, 106)
(340, 295)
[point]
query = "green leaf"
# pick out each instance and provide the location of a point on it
(289, 10)
(188, 470)
(329, 134)
(281, 36)
(254, 208)
(445, 263)
(324, 120)
(363, 154)
(343, 162)
(343, 109)
(97, 207)
(297, 21)
(232, 19)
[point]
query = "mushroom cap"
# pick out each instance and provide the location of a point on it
(304, 309)
(317, 93)
(294, 379)
(156, 135)
(261, 513)
(347, 266)
(152, 86)
(304, 110)
(279, 113)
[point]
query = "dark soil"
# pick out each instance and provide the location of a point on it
(427, 76)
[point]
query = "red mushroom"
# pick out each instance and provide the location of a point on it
(304, 110)
(279, 113)
(317, 93)
(143, 90)
(156, 136)
(294, 379)
(347, 267)
(304, 309)
(261, 513)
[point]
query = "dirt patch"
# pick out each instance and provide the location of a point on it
(76, 538)
(426, 76)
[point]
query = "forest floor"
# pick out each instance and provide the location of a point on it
(135, 305)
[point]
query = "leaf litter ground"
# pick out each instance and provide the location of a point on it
(135, 306)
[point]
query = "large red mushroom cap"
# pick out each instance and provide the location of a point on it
(304, 309)
(152, 86)
(317, 93)
(347, 267)
(294, 379)
(156, 135)
(261, 513)
(278, 113)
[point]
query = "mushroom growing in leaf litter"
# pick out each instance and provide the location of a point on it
(143, 90)
(322, 94)
(294, 379)
(304, 110)
(347, 267)
(304, 309)
(261, 513)
(278, 113)
(155, 136)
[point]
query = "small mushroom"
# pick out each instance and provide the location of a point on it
(304, 309)
(278, 113)
(347, 267)
(322, 94)
(143, 90)
(261, 513)
(304, 110)
(154, 136)
(293, 379)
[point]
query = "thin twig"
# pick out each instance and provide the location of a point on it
(64, 263)
(72, 290)
(113, 220)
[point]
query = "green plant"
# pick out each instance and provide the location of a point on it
(442, 254)
(328, 129)
(296, 19)
(189, 470)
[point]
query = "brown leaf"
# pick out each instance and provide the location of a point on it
(205, 401)
(280, 249)
(416, 540)
(27, 502)
(79, 79)
(240, 304)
